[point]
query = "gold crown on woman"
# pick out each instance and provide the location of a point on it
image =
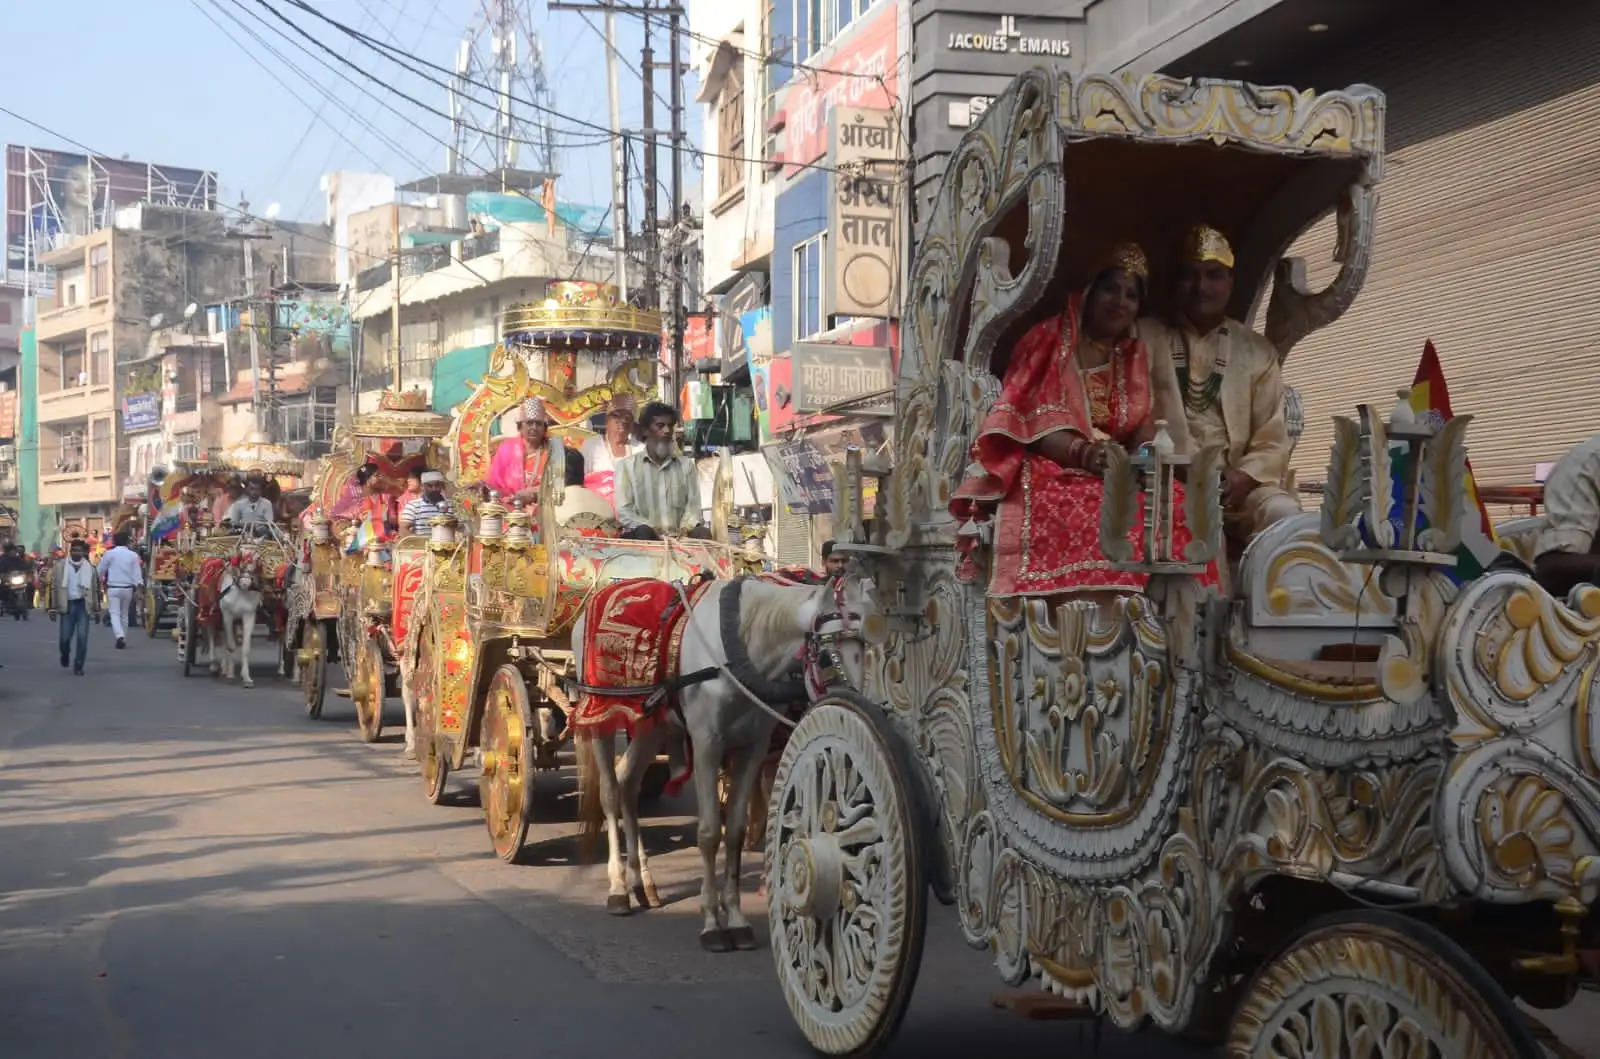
(1205, 243)
(1127, 257)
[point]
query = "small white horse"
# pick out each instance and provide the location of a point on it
(238, 600)
(752, 631)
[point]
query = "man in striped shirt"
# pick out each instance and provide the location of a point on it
(658, 490)
(417, 517)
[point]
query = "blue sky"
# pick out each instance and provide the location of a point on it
(157, 81)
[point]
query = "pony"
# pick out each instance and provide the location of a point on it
(238, 601)
(747, 638)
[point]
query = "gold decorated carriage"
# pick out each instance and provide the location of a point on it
(501, 587)
(200, 487)
(349, 600)
(1352, 808)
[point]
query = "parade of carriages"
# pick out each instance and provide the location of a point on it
(1178, 752)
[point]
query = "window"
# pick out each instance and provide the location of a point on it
(769, 94)
(809, 311)
(419, 348)
(186, 446)
(100, 271)
(730, 129)
(73, 372)
(218, 382)
(100, 358)
(307, 423)
(817, 22)
(100, 453)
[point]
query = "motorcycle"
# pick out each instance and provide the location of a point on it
(16, 595)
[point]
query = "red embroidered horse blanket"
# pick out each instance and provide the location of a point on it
(632, 636)
(208, 589)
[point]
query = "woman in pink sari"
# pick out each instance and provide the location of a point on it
(1073, 384)
(521, 462)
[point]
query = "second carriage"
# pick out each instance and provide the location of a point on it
(489, 652)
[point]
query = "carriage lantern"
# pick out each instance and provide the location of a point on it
(518, 536)
(491, 521)
(443, 539)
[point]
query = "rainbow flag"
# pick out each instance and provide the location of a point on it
(366, 531)
(168, 520)
(1430, 403)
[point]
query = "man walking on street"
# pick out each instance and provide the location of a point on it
(121, 572)
(74, 596)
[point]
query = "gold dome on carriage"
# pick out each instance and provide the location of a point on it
(259, 454)
(401, 414)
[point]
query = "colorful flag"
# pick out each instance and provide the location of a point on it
(1430, 404)
(168, 520)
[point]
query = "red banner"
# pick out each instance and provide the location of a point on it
(858, 72)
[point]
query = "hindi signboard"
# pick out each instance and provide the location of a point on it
(803, 477)
(827, 376)
(141, 411)
(859, 71)
(863, 216)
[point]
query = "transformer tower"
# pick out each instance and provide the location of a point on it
(500, 62)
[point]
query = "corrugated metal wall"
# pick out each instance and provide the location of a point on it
(1488, 240)
(791, 537)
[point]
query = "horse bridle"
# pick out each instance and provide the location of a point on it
(821, 662)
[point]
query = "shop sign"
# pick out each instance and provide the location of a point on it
(8, 413)
(860, 72)
(1006, 38)
(863, 258)
(803, 476)
(141, 411)
(827, 376)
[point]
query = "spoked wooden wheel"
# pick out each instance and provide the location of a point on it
(366, 689)
(845, 892)
(506, 785)
(435, 767)
(152, 609)
(191, 634)
(1376, 984)
(312, 666)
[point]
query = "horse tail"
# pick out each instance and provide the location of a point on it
(590, 814)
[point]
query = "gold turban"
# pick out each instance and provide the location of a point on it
(1127, 257)
(1207, 244)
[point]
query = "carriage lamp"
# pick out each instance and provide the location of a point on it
(443, 538)
(491, 521)
(518, 535)
(375, 554)
(321, 530)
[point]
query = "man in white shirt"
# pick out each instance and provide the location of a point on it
(75, 598)
(251, 513)
(1567, 550)
(602, 454)
(418, 514)
(121, 574)
(658, 490)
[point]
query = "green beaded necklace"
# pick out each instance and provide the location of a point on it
(1198, 398)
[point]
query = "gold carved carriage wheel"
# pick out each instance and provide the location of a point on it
(509, 748)
(846, 896)
(1379, 984)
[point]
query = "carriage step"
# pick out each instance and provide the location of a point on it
(1041, 1007)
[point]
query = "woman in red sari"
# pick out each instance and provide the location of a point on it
(1074, 383)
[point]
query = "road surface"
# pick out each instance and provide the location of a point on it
(189, 868)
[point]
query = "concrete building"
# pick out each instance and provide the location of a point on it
(101, 391)
(466, 256)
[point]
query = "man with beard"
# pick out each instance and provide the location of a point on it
(658, 490)
(602, 454)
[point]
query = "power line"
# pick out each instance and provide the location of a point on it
(391, 53)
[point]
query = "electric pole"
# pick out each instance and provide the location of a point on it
(678, 220)
(652, 232)
(619, 162)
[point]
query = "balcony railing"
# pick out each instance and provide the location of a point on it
(425, 259)
(480, 244)
(372, 278)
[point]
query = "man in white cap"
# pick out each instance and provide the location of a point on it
(418, 514)
(1231, 384)
(518, 468)
(602, 454)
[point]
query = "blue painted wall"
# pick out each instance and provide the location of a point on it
(801, 212)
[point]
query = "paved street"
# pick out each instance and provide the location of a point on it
(190, 868)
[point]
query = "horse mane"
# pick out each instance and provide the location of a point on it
(773, 619)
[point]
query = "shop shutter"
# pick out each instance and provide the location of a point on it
(1488, 243)
(791, 536)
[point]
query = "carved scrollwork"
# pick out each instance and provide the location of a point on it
(1520, 809)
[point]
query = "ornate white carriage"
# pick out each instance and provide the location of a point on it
(1214, 815)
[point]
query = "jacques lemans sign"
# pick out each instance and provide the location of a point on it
(1008, 39)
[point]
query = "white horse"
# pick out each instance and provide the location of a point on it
(238, 600)
(752, 632)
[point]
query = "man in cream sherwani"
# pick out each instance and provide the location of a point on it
(1232, 387)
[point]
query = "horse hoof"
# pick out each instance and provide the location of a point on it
(743, 938)
(411, 753)
(617, 905)
(652, 898)
(715, 941)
